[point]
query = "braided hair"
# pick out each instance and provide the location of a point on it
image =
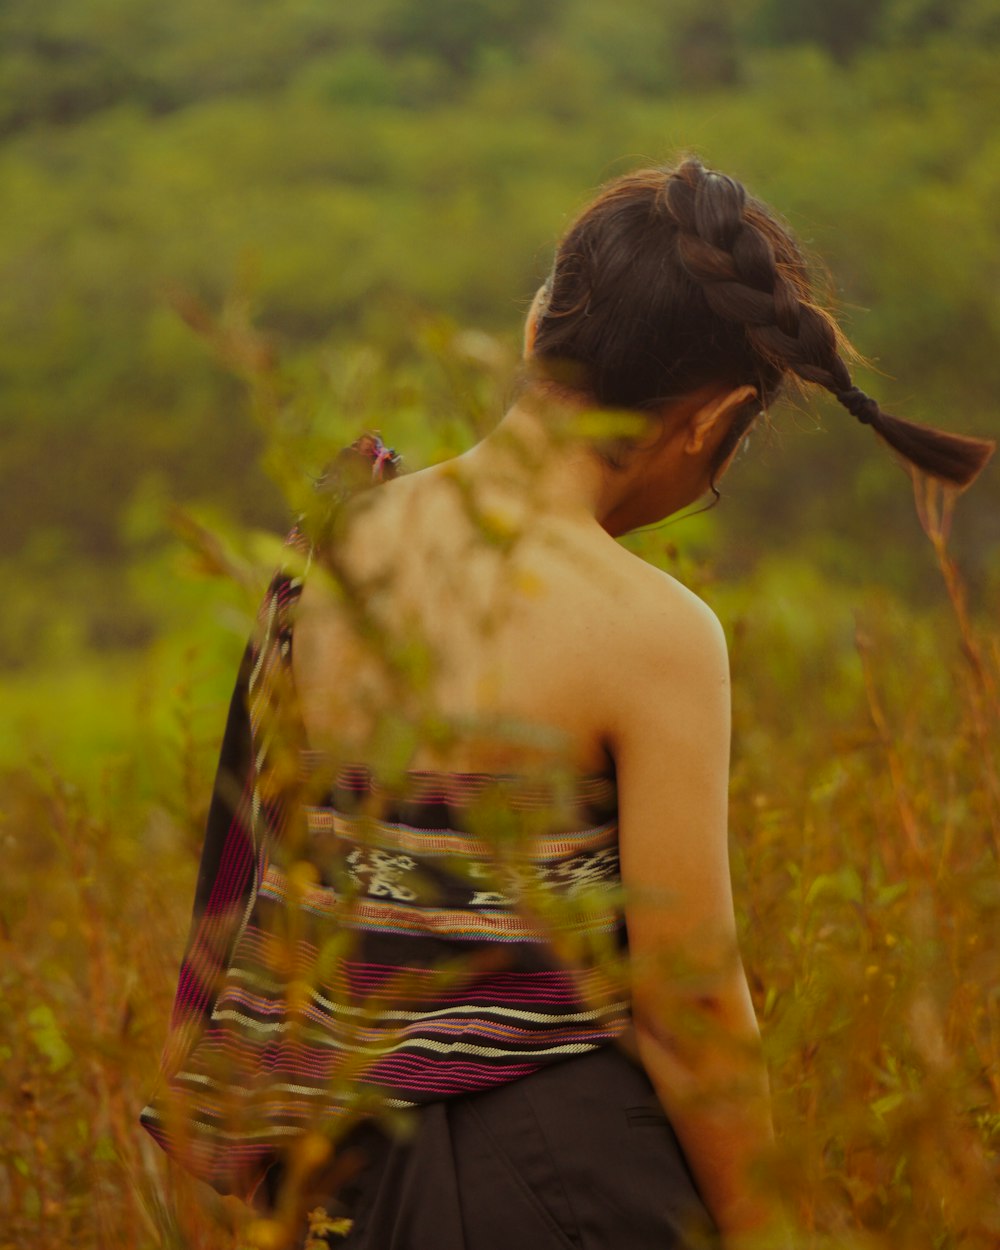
(675, 279)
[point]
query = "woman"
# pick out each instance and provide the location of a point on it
(510, 746)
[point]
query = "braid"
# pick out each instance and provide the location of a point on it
(726, 245)
(734, 262)
(860, 405)
(675, 280)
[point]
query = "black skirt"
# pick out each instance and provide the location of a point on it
(577, 1156)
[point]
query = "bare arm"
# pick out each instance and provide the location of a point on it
(695, 1027)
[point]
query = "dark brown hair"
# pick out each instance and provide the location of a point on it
(675, 279)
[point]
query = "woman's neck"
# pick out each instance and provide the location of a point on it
(535, 462)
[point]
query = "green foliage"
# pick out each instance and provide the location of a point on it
(352, 189)
(843, 28)
(44, 1031)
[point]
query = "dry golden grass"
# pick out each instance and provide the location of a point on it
(866, 840)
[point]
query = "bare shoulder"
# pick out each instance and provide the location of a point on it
(670, 625)
(666, 662)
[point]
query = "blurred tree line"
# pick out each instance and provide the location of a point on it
(364, 179)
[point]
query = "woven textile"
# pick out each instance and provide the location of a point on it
(360, 947)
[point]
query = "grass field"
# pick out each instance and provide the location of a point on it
(866, 842)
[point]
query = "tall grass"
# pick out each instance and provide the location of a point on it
(865, 818)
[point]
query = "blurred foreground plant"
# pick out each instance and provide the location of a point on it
(873, 928)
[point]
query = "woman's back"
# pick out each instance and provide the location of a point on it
(524, 614)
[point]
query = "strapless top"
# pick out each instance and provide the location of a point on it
(366, 948)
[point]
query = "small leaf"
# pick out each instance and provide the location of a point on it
(844, 884)
(882, 1106)
(889, 893)
(105, 1151)
(47, 1036)
(603, 423)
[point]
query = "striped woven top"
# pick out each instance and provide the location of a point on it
(358, 946)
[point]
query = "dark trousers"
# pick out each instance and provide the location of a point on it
(576, 1156)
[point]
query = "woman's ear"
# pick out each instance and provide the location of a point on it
(531, 321)
(713, 417)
